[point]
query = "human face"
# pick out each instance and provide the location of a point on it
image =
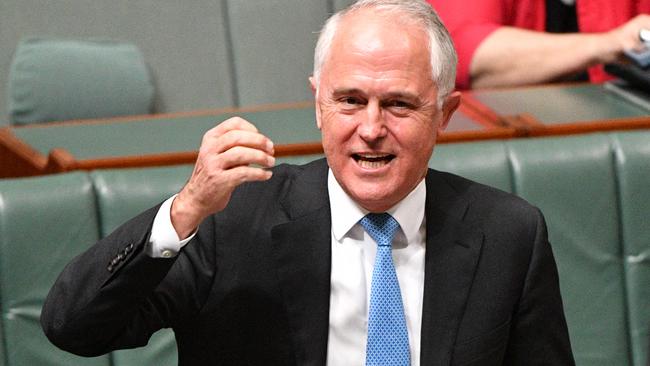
(376, 106)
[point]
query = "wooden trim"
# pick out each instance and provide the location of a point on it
(574, 128)
(60, 160)
(466, 136)
(560, 84)
(479, 112)
(175, 158)
(18, 159)
(522, 123)
(308, 148)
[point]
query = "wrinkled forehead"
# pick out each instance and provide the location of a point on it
(379, 35)
(375, 27)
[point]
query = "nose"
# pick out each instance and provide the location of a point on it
(372, 125)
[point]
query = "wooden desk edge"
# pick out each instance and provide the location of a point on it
(173, 158)
(18, 159)
(529, 126)
(479, 112)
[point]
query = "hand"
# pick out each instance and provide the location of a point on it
(625, 37)
(223, 163)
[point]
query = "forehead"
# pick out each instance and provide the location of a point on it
(380, 40)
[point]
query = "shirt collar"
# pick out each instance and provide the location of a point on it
(346, 213)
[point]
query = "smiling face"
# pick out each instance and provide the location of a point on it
(376, 106)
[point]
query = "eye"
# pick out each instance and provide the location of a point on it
(399, 104)
(350, 100)
(350, 103)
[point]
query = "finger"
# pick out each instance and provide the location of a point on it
(243, 156)
(234, 123)
(244, 174)
(235, 138)
(644, 35)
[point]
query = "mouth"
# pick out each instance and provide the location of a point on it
(372, 160)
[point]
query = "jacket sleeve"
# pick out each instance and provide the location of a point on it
(539, 334)
(115, 296)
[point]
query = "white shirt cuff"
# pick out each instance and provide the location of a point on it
(164, 242)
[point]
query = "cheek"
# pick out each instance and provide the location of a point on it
(336, 127)
(414, 136)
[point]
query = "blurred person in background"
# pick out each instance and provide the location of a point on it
(523, 42)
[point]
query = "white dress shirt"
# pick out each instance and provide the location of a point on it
(353, 258)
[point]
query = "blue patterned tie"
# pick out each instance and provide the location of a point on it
(388, 341)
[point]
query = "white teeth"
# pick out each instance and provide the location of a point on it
(372, 156)
(372, 160)
(372, 164)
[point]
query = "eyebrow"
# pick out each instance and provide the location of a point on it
(390, 95)
(346, 91)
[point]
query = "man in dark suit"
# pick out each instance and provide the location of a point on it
(284, 267)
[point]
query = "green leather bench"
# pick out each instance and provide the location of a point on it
(593, 190)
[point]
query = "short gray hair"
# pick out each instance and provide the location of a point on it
(443, 55)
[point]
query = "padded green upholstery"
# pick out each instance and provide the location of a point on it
(484, 162)
(633, 171)
(58, 79)
(44, 223)
(121, 194)
(271, 59)
(572, 180)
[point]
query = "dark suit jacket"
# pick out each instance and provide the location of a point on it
(253, 286)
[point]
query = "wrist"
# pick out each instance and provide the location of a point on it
(605, 48)
(185, 217)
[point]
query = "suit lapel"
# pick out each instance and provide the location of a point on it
(452, 252)
(302, 248)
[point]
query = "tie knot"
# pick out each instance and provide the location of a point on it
(381, 227)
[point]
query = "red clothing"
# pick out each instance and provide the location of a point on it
(470, 21)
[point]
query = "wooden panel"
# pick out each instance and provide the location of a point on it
(18, 159)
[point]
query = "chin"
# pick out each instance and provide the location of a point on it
(373, 198)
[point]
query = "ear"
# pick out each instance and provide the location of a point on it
(449, 106)
(313, 86)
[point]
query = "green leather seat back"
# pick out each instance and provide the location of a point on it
(484, 162)
(633, 170)
(121, 194)
(44, 223)
(124, 193)
(273, 48)
(61, 79)
(572, 180)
